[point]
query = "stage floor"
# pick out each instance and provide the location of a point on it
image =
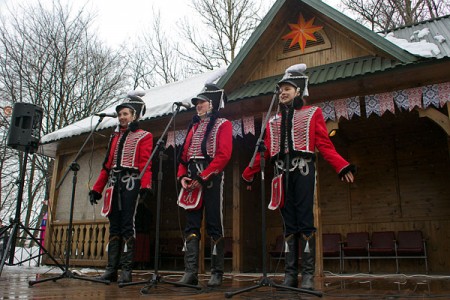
(14, 285)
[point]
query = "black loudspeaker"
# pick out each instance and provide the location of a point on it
(25, 129)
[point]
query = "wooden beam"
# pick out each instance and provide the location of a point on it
(52, 203)
(436, 116)
(318, 225)
(203, 241)
(237, 216)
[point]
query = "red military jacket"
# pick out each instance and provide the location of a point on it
(308, 132)
(135, 153)
(218, 146)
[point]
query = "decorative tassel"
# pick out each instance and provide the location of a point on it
(214, 250)
(307, 247)
(307, 238)
(125, 247)
(305, 91)
(184, 246)
(286, 247)
(107, 245)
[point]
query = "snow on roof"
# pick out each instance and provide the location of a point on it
(424, 38)
(159, 102)
(421, 47)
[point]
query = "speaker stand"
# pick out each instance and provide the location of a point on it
(16, 225)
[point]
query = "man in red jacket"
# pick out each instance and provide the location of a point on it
(205, 153)
(291, 138)
(128, 152)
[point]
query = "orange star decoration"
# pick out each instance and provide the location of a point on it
(302, 32)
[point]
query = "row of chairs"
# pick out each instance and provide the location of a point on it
(381, 245)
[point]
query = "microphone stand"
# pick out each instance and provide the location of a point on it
(265, 280)
(75, 167)
(156, 278)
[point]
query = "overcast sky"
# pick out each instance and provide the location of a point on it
(119, 21)
(122, 19)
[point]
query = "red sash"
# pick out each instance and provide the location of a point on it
(107, 200)
(277, 197)
(191, 199)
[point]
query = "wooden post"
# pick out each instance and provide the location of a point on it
(318, 225)
(448, 136)
(236, 262)
(52, 202)
(201, 255)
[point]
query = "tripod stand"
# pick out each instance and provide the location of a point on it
(16, 225)
(74, 167)
(266, 281)
(156, 278)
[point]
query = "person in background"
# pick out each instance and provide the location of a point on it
(128, 152)
(205, 153)
(291, 137)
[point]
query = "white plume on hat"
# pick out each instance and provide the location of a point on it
(216, 76)
(298, 68)
(134, 93)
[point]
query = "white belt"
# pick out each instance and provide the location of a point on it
(298, 162)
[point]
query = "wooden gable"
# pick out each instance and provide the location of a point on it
(265, 55)
(336, 45)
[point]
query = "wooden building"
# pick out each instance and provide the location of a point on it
(389, 106)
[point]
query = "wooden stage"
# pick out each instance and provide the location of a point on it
(14, 285)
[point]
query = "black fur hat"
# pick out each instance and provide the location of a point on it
(213, 94)
(134, 102)
(295, 76)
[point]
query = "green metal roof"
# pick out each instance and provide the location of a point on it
(321, 8)
(317, 75)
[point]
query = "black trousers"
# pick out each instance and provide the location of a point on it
(297, 213)
(124, 204)
(212, 205)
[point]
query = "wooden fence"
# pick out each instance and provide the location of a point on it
(89, 241)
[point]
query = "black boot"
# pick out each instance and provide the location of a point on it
(291, 262)
(126, 260)
(308, 244)
(190, 275)
(114, 248)
(217, 262)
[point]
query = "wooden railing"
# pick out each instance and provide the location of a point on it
(87, 248)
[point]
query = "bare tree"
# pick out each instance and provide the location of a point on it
(159, 57)
(154, 59)
(140, 68)
(50, 58)
(227, 26)
(384, 15)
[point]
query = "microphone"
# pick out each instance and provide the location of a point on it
(184, 104)
(102, 115)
